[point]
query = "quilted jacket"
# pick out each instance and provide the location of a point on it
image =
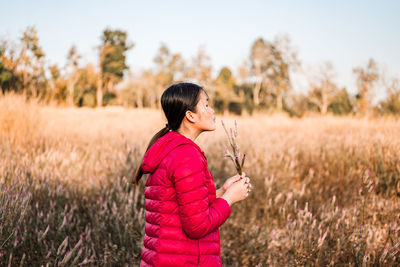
(182, 212)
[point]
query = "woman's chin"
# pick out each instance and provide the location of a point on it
(211, 128)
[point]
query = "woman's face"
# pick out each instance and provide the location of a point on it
(206, 117)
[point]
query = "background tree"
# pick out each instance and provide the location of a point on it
(7, 69)
(73, 75)
(57, 84)
(263, 80)
(86, 86)
(391, 105)
(31, 61)
(298, 104)
(244, 86)
(169, 68)
(342, 103)
(112, 61)
(243, 72)
(366, 79)
(284, 61)
(259, 66)
(224, 91)
(323, 88)
(140, 91)
(270, 66)
(199, 69)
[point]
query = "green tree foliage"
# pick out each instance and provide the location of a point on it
(341, 103)
(114, 48)
(7, 75)
(263, 82)
(85, 87)
(225, 95)
(112, 60)
(22, 66)
(245, 92)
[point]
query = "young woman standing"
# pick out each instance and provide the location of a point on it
(183, 209)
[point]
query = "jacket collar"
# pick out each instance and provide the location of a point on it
(161, 148)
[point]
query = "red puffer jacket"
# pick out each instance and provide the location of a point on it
(181, 209)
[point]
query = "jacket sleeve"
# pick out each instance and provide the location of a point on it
(198, 217)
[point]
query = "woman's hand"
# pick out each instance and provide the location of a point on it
(231, 180)
(238, 189)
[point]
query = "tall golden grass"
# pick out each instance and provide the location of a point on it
(325, 188)
(19, 120)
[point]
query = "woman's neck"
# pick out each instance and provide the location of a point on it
(189, 132)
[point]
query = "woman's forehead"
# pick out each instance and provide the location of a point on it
(203, 95)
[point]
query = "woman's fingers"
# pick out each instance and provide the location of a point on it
(250, 187)
(246, 180)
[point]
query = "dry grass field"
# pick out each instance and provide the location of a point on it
(326, 189)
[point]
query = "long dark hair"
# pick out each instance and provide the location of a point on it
(175, 101)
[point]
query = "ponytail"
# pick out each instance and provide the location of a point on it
(175, 101)
(139, 173)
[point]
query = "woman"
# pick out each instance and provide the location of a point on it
(183, 210)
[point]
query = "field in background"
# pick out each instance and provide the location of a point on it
(326, 189)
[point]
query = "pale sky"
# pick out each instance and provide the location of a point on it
(347, 33)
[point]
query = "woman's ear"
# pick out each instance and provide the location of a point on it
(190, 116)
